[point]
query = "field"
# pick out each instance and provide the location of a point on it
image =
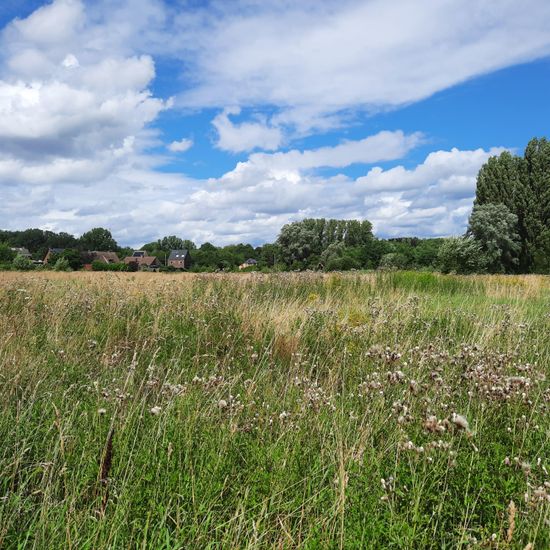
(391, 410)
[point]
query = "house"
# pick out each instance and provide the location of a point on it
(143, 262)
(249, 263)
(53, 252)
(139, 254)
(21, 251)
(180, 259)
(105, 257)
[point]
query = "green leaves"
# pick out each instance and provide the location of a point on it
(522, 184)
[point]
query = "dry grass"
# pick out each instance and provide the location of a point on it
(397, 410)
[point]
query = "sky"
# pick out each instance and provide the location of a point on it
(222, 120)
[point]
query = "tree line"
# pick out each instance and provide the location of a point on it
(508, 232)
(509, 228)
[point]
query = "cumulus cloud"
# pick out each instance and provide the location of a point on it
(66, 109)
(180, 146)
(252, 202)
(76, 112)
(246, 136)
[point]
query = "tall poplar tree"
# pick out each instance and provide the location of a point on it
(522, 184)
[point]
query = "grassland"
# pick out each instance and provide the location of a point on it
(395, 410)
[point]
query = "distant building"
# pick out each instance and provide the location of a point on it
(249, 263)
(87, 257)
(53, 252)
(139, 254)
(21, 251)
(143, 262)
(105, 257)
(180, 259)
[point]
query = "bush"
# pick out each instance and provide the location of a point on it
(22, 264)
(345, 263)
(462, 255)
(6, 253)
(393, 261)
(62, 264)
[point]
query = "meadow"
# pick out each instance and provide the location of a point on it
(303, 410)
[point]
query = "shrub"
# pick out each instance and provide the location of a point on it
(462, 255)
(62, 264)
(6, 253)
(393, 261)
(345, 263)
(22, 264)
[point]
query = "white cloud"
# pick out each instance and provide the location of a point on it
(251, 202)
(75, 110)
(245, 136)
(315, 59)
(383, 146)
(180, 146)
(64, 104)
(51, 24)
(70, 62)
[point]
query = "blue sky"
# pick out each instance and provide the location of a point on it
(222, 121)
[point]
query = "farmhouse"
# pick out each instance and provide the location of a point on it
(249, 263)
(87, 257)
(52, 252)
(142, 262)
(180, 259)
(21, 251)
(104, 257)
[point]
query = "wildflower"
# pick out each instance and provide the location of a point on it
(432, 424)
(101, 411)
(156, 410)
(460, 422)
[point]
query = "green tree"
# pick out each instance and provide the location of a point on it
(73, 257)
(302, 243)
(6, 253)
(393, 260)
(297, 241)
(494, 227)
(462, 255)
(170, 243)
(523, 185)
(62, 264)
(98, 238)
(22, 264)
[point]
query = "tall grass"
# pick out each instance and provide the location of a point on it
(392, 410)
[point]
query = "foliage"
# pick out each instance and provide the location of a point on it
(37, 241)
(393, 260)
(22, 264)
(494, 227)
(381, 410)
(98, 238)
(73, 257)
(462, 255)
(62, 264)
(302, 243)
(6, 253)
(522, 184)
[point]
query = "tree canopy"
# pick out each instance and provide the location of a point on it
(522, 184)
